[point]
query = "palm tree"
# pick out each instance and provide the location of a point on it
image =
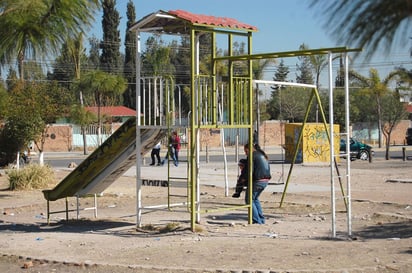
(103, 87)
(32, 29)
(76, 52)
(367, 24)
(377, 88)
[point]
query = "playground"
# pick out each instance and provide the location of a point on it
(296, 237)
(363, 226)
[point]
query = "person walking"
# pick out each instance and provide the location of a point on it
(261, 176)
(176, 144)
(174, 148)
(155, 154)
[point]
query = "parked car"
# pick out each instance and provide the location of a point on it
(408, 136)
(358, 150)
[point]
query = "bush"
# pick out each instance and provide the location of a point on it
(33, 176)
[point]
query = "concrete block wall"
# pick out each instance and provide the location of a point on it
(271, 133)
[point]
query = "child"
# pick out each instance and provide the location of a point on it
(242, 179)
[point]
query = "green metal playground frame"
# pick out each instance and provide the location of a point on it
(205, 102)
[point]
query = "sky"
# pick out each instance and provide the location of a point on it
(283, 25)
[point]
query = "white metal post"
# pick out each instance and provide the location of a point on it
(197, 69)
(332, 170)
(348, 186)
(138, 140)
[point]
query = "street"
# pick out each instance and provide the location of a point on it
(63, 159)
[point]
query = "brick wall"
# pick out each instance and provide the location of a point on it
(398, 133)
(271, 133)
(59, 138)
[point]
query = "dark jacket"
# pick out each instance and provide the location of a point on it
(261, 167)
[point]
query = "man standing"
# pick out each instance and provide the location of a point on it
(156, 153)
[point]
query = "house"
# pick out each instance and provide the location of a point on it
(65, 136)
(117, 114)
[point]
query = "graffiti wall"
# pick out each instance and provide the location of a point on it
(314, 146)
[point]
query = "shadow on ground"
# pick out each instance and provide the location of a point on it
(72, 226)
(394, 230)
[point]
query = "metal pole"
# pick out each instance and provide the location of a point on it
(257, 115)
(332, 183)
(138, 148)
(199, 120)
(349, 214)
(180, 104)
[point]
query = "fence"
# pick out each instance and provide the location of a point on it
(92, 138)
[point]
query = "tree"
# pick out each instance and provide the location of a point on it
(366, 24)
(129, 70)
(68, 66)
(393, 111)
(156, 62)
(317, 63)
(180, 58)
(304, 71)
(31, 108)
(377, 88)
(3, 102)
(110, 58)
(67, 70)
(294, 103)
(281, 74)
(304, 68)
(32, 29)
(258, 67)
(12, 79)
(33, 71)
(79, 115)
(274, 105)
(63, 68)
(94, 54)
(156, 58)
(101, 87)
(304, 74)
(76, 55)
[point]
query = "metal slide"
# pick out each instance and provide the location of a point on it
(107, 163)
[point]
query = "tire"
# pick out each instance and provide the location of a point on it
(364, 155)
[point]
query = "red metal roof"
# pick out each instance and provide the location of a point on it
(211, 20)
(113, 111)
(180, 22)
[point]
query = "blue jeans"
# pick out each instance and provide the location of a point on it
(257, 212)
(172, 153)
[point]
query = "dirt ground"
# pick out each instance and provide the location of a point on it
(297, 237)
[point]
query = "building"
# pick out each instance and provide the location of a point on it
(66, 136)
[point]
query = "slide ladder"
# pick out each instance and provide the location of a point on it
(178, 192)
